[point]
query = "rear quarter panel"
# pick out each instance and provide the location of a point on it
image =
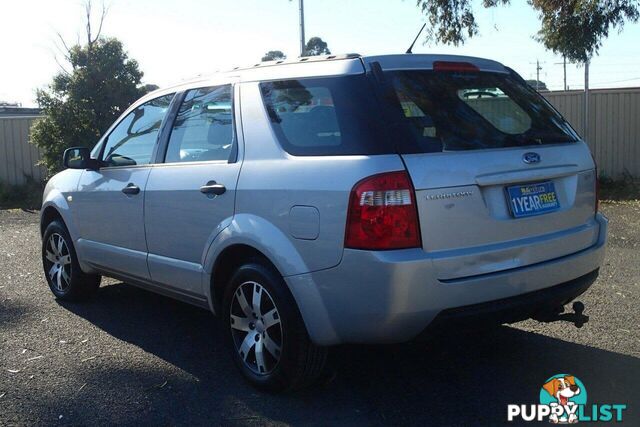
(272, 182)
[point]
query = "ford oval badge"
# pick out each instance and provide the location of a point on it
(530, 158)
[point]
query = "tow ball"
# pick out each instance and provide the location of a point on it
(577, 317)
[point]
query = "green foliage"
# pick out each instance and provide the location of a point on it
(572, 28)
(144, 89)
(625, 188)
(577, 28)
(541, 85)
(80, 104)
(316, 46)
(452, 21)
(25, 196)
(274, 55)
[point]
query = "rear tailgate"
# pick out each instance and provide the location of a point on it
(502, 180)
(467, 222)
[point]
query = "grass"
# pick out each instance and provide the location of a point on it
(627, 188)
(25, 196)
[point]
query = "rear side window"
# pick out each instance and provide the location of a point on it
(325, 116)
(472, 110)
(203, 129)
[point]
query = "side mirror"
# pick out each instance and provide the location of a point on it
(78, 158)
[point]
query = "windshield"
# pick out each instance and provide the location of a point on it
(472, 110)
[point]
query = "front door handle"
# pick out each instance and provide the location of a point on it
(213, 187)
(131, 189)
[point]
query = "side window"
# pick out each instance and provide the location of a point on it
(203, 129)
(131, 142)
(305, 114)
(329, 116)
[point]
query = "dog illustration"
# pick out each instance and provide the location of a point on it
(563, 389)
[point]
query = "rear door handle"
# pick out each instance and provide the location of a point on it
(131, 189)
(213, 187)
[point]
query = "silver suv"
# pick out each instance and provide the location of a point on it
(339, 199)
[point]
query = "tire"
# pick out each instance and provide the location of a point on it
(289, 360)
(61, 269)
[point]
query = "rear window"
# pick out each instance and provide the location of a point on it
(472, 110)
(325, 116)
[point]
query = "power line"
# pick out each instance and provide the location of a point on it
(538, 69)
(617, 81)
(618, 64)
(564, 69)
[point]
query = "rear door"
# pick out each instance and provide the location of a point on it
(190, 197)
(501, 180)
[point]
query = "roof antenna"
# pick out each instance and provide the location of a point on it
(416, 39)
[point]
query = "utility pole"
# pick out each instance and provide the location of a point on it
(586, 101)
(302, 39)
(564, 67)
(538, 68)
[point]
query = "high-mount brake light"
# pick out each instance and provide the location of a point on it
(382, 213)
(462, 67)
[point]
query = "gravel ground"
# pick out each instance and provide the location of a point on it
(132, 357)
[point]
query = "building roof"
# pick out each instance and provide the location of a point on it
(6, 111)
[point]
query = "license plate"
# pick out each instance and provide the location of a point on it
(532, 199)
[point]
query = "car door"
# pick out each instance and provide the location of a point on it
(109, 203)
(190, 197)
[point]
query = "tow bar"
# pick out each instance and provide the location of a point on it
(577, 317)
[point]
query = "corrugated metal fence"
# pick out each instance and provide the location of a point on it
(614, 134)
(614, 126)
(17, 157)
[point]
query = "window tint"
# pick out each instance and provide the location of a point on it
(325, 116)
(474, 110)
(203, 129)
(133, 139)
(497, 108)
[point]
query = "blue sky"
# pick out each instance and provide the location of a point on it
(175, 40)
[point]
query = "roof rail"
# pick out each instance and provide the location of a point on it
(299, 60)
(302, 60)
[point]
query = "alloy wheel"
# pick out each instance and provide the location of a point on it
(58, 263)
(256, 328)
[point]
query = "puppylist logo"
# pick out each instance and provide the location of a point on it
(563, 394)
(563, 400)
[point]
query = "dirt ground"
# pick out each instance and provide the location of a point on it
(131, 357)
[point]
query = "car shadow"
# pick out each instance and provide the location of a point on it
(450, 380)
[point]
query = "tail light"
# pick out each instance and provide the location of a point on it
(382, 213)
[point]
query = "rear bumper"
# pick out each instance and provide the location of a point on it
(512, 309)
(393, 296)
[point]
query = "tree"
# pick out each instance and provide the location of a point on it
(144, 89)
(577, 28)
(573, 28)
(316, 46)
(82, 101)
(274, 55)
(537, 84)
